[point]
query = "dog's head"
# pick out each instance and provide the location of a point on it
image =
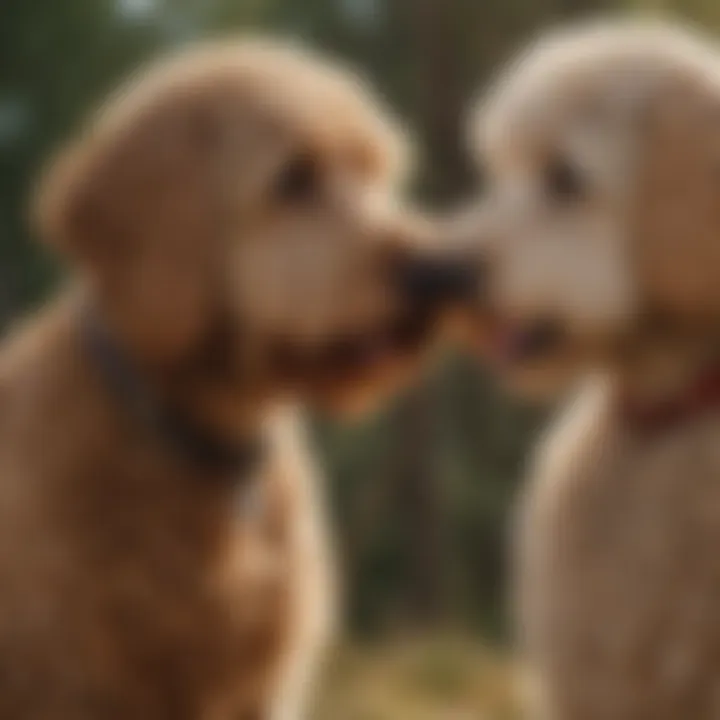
(235, 214)
(600, 228)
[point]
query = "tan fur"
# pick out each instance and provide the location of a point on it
(617, 535)
(135, 585)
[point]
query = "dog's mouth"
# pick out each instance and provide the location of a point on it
(353, 356)
(516, 342)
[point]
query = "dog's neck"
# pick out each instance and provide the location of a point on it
(209, 431)
(665, 385)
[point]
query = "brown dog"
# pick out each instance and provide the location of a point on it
(601, 238)
(162, 550)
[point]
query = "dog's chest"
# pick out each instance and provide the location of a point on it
(191, 633)
(620, 576)
(201, 614)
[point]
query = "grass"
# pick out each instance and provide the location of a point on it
(418, 680)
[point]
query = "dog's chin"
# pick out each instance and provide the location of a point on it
(540, 381)
(536, 360)
(364, 395)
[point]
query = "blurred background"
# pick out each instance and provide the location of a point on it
(422, 492)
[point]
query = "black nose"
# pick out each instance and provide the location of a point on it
(439, 281)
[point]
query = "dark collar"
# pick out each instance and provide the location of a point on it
(700, 397)
(196, 446)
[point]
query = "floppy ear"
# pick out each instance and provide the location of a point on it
(135, 206)
(77, 211)
(676, 221)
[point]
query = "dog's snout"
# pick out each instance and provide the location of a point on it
(438, 281)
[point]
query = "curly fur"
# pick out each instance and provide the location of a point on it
(230, 214)
(617, 572)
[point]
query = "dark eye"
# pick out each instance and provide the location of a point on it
(298, 180)
(564, 181)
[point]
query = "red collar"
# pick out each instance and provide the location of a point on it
(700, 397)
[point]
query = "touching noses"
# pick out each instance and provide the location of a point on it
(457, 274)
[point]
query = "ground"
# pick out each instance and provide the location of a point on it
(418, 680)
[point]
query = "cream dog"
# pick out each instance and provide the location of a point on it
(600, 242)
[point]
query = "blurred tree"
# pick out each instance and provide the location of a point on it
(55, 59)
